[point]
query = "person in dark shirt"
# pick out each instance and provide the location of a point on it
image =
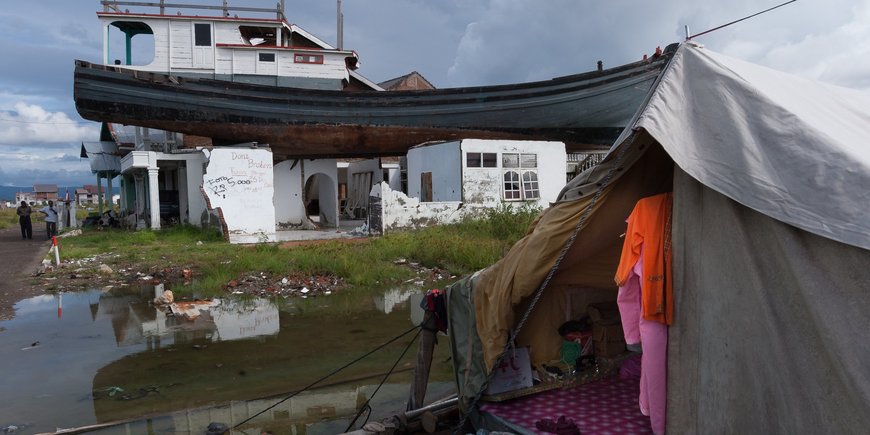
(24, 222)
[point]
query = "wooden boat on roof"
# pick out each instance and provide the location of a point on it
(214, 93)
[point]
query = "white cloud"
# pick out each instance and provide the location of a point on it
(517, 40)
(31, 124)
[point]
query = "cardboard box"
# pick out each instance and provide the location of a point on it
(608, 340)
(514, 373)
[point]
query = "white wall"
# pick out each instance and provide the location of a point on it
(288, 194)
(444, 162)
(484, 186)
(240, 182)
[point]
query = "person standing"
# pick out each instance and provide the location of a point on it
(50, 219)
(24, 211)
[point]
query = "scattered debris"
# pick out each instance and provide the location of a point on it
(73, 233)
(166, 298)
(105, 269)
(192, 310)
(295, 285)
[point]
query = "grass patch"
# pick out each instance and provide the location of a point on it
(459, 248)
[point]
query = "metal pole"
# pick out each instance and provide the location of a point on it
(339, 23)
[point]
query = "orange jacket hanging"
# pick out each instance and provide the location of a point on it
(649, 227)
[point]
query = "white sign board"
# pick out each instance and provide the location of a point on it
(239, 182)
(514, 372)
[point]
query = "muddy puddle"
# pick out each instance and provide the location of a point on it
(84, 358)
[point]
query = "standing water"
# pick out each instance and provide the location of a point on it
(77, 359)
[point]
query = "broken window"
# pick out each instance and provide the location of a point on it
(133, 45)
(518, 188)
(512, 186)
(530, 185)
(253, 35)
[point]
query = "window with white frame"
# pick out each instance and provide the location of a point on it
(520, 175)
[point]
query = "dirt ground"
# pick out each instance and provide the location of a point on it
(19, 259)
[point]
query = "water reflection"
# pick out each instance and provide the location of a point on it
(136, 320)
(105, 355)
(393, 298)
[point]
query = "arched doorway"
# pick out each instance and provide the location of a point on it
(320, 198)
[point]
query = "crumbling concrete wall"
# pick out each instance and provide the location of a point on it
(239, 182)
(398, 211)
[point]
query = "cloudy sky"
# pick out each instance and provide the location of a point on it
(451, 42)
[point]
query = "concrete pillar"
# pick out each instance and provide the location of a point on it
(139, 184)
(100, 194)
(154, 198)
(61, 209)
(109, 193)
(122, 186)
(182, 195)
(73, 222)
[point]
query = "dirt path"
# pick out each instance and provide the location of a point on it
(18, 260)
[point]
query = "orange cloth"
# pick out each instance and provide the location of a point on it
(649, 232)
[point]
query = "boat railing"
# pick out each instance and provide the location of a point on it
(113, 6)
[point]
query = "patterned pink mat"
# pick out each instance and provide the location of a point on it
(605, 407)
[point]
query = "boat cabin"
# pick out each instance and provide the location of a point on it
(266, 51)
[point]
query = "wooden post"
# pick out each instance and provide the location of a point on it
(424, 362)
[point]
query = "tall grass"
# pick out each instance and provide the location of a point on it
(460, 249)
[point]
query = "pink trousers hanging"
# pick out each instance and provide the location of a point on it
(653, 337)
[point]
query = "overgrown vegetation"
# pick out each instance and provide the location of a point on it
(460, 249)
(8, 218)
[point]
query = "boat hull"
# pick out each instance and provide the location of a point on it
(586, 111)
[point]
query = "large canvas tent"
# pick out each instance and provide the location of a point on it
(771, 251)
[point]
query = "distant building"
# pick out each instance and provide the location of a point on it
(412, 81)
(27, 197)
(89, 194)
(45, 192)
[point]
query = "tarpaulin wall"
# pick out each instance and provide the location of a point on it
(770, 333)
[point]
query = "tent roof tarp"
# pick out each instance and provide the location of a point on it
(791, 148)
